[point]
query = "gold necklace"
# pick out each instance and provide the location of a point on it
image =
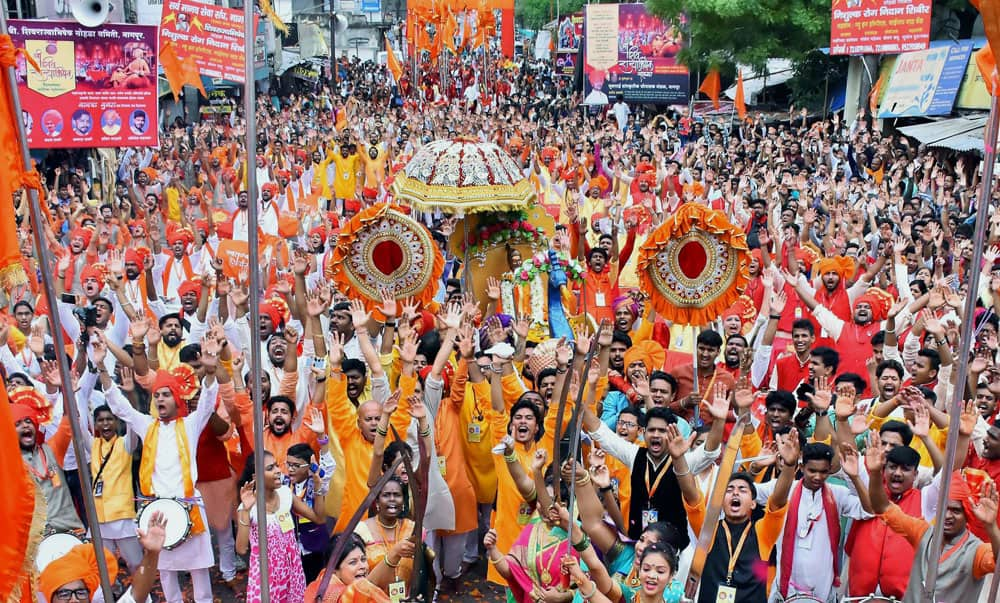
(378, 520)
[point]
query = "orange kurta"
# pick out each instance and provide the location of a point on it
(448, 432)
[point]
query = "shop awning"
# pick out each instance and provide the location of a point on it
(957, 134)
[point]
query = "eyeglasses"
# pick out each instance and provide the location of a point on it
(79, 594)
(627, 424)
(294, 466)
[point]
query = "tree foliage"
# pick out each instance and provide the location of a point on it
(747, 31)
(533, 14)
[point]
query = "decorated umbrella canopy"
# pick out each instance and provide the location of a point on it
(695, 265)
(382, 250)
(461, 176)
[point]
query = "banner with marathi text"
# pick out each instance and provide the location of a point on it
(630, 52)
(212, 34)
(94, 87)
(879, 26)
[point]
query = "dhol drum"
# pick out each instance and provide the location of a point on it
(176, 515)
(55, 546)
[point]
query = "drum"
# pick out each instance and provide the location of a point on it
(803, 598)
(53, 547)
(176, 514)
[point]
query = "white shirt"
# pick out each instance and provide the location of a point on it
(812, 569)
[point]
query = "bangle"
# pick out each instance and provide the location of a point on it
(323, 440)
(561, 370)
(510, 458)
(582, 545)
(389, 563)
(389, 323)
(822, 413)
(382, 432)
(320, 379)
(593, 591)
(493, 561)
(688, 472)
(425, 433)
(584, 480)
(774, 316)
(605, 489)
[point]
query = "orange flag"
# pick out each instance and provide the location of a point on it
(741, 105)
(12, 177)
(392, 62)
(987, 65)
(990, 11)
(179, 72)
(17, 503)
(712, 86)
(447, 32)
(873, 96)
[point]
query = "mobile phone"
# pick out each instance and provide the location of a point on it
(319, 363)
(68, 298)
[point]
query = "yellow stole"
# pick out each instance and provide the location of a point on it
(149, 458)
(168, 357)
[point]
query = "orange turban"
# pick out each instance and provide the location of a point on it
(880, 301)
(189, 287)
(80, 563)
(182, 383)
(842, 265)
(807, 255)
(272, 312)
(31, 398)
(82, 233)
(599, 182)
(648, 352)
(152, 173)
(177, 233)
(136, 255)
(352, 205)
(369, 193)
(966, 486)
(95, 271)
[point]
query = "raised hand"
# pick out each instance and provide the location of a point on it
(788, 448)
(921, 423)
(466, 342)
(407, 349)
(248, 495)
(823, 397)
(314, 421)
(849, 459)
(392, 403)
(874, 453)
(453, 316)
(493, 288)
(539, 461)
(155, 535)
(718, 407)
(417, 408)
(970, 416)
(677, 444)
(139, 327)
(522, 325)
(359, 315)
(336, 349)
(389, 308)
(985, 509)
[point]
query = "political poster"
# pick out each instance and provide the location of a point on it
(926, 82)
(630, 52)
(212, 34)
(569, 36)
(879, 26)
(92, 88)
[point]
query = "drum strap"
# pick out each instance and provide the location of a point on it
(104, 463)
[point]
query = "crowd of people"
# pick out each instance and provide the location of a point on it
(836, 370)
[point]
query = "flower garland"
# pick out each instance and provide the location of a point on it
(530, 269)
(517, 231)
(507, 296)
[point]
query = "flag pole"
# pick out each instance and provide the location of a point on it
(253, 244)
(45, 261)
(965, 342)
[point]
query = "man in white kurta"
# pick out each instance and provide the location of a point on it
(195, 554)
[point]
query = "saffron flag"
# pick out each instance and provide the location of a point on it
(987, 65)
(19, 540)
(178, 72)
(874, 95)
(12, 177)
(712, 86)
(741, 105)
(392, 62)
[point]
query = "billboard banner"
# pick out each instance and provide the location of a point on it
(926, 82)
(629, 52)
(879, 26)
(212, 34)
(569, 35)
(94, 87)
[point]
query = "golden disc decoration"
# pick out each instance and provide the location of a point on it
(383, 250)
(694, 266)
(462, 175)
